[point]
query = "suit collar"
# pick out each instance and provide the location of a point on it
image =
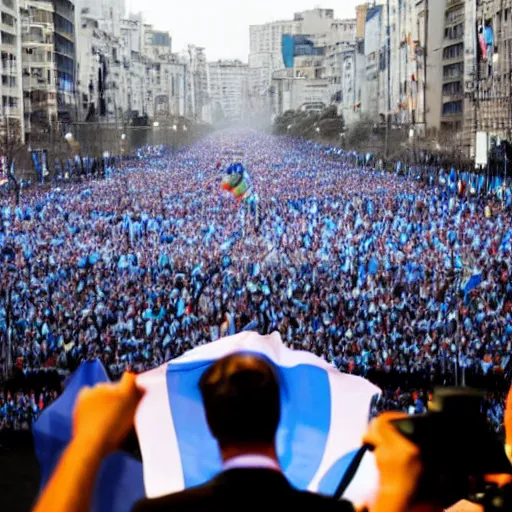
(244, 477)
(252, 461)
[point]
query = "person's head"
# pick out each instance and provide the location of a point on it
(242, 402)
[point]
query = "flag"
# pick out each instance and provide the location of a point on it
(324, 416)
(119, 483)
(472, 283)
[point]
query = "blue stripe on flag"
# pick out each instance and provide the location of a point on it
(303, 430)
(330, 481)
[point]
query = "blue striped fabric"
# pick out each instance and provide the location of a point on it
(303, 430)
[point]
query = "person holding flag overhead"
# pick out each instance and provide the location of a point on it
(242, 401)
(241, 398)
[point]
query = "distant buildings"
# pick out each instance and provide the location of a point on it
(436, 68)
(39, 65)
(314, 39)
(61, 65)
(310, 54)
(227, 90)
(196, 83)
(11, 114)
(452, 55)
(373, 99)
(488, 106)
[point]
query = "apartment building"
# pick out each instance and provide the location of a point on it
(11, 107)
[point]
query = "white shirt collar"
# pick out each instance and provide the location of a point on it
(251, 461)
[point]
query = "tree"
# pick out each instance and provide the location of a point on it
(330, 113)
(282, 122)
(360, 133)
(325, 126)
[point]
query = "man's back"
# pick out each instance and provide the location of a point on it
(254, 489)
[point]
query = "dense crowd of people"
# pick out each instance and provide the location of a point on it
(367, 269)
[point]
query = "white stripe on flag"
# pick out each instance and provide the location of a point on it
(157, 437)
(351, 394)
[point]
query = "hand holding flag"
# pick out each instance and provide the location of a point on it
(104, 414)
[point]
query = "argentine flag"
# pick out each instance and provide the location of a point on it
(324, 415)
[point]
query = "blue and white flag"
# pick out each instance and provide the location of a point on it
(324, 416)
(472, 283)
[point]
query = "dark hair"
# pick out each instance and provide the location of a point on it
(241, 399)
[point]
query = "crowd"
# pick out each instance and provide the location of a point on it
(367, 269)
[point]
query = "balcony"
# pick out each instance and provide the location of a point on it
(450, 4)
(35, 40)
(453, 78)
(10, 29)
(453, 97)
(65, 34)
(8, 69)
(35, 84)
(10, 111)
(8, 5)
(453, 60)
(452, 116)
(448, 41)
(7, 46)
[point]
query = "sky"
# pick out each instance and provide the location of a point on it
(222, 26)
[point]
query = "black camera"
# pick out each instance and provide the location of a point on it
(457, 449)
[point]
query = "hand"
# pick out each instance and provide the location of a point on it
(397, 458)
(508, 425)
(104, 414)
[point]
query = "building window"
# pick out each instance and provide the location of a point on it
(453, 70)
(452, 108)
(454, 16)
(454, 51)
(7, 19)
(41, 16)
(9, 80)
(9, 101)
(7, 38)
(63, 25)
(455, 32)
(452, 88)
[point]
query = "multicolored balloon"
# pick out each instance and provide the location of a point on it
(237, 181)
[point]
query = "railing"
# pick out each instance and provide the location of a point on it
(453, 78)
(454, 39)
(8, 69)
(451, 3)
(453, 60)
(10, 111)
(5, 27)
(453, 97)
(452, 115)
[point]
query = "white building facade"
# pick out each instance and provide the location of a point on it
(325, 32)
(11, 106)
(228, 89)
(39, 66)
